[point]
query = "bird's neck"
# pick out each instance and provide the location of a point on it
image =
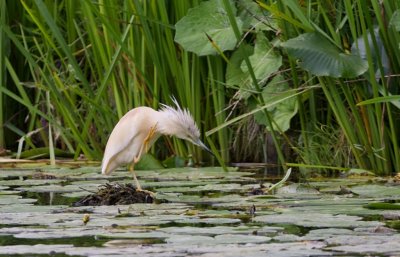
(166, 123)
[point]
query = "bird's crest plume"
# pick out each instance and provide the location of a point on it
(183, 116)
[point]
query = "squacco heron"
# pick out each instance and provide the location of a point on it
(139, 128)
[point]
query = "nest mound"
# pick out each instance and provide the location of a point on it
(115, 194)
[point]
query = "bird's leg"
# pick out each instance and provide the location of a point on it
(138, 187)
(137, 158)
(131, 169)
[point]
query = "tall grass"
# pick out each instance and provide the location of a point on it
(77, 66)
(90, 62)
(370, 130)
(2, 70)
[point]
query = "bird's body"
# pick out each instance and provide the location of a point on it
(127, 138)
(139, 128)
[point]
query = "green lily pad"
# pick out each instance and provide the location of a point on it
(190, 240)
(132, 235)
(325, 204)
(29, 182)
(14, 199)
(50, 188)
(6, 173)
(215, 221)
(208, 187)
(383, 206)
(207, 214)
(34, 249)
(387, 245)
(51, 233)
(297, 189)
(9, 192)
(240, 239)
(177, 197)
(208, 231)
(17, 207)
(359, 172)
(377, 191)
(317, 220)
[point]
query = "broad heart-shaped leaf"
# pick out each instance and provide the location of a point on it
(281, 113)
(264, 62)
(209, 18)
(254, 17)
(322, 58)
(395, 20)
(235, 76)
(378, 53)
(148, 162)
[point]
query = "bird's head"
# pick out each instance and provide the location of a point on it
(180, 123)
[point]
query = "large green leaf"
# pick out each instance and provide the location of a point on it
(148, 162)
(282, 112)
(209, 18)
(265, 61)
(235, 76)
(322, 58)
(376, 51)
(395, 20)
(254, 17)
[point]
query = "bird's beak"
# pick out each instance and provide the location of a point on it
(202, 145)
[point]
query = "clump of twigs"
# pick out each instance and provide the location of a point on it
(115, 194)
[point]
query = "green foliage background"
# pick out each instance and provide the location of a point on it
(315, 77)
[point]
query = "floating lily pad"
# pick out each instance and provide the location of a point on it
(190, 240)
(51, 233)
(377, 191)
(17, 207)
(34, 249)
(132, 235)
(129, 243)
(11, 173)
(296, 189)
(362, 244)
(171, 183)
(29, 182)
(14, 199)
(177, 197)
(215, 221)
(208, 187)
(287, 238)
(337, 205)
(9, 192)
(383, 206)
(317, 220)
(240, 239)
(208, 231)
(209, 213)
(193, 173)
(50, 188)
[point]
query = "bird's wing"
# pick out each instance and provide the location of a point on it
(120, 139)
